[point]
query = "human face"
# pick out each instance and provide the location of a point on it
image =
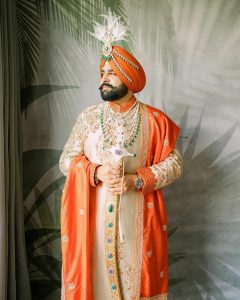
(111, 88)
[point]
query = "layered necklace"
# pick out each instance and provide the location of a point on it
(126, 125)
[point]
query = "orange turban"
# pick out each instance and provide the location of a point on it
(128, 69)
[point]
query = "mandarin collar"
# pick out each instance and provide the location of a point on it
(117, 107)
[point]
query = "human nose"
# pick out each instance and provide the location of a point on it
(104, 77)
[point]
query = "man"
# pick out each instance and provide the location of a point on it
(118, 157)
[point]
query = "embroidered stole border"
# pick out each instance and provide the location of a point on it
(138, 239)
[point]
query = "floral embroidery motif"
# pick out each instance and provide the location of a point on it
(124, 268)
(165, 142)
(81, 211)
(110, 235)
(79, 164)
(71, 286)
(168, 170)
(138, 237)
(65, 238)
(150, 204)
(149, 253)
(155, 113)
(161, 274)
(87, 121)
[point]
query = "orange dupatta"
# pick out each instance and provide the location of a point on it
(163, 133)
(77, 225)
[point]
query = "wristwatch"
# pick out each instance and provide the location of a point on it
(138, 183)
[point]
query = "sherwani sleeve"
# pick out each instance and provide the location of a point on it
(162, 174)
(74, 147)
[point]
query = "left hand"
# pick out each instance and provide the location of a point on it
(128, 185)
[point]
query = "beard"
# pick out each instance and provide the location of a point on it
(115, 93)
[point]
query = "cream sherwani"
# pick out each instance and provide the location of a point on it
(87, 138)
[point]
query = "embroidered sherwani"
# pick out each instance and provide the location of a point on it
(123, 270)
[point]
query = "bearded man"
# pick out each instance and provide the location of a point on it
(119, 156)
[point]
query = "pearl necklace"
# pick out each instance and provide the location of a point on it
(126, 124)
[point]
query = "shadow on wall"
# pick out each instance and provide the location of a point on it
(202, 206)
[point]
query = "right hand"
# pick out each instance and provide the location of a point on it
(110, 174)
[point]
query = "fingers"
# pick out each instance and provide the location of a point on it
(117, 190)
(115, 170)
(114, 181)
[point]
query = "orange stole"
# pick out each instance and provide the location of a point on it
(77, 225)
(78, 220)
(163, 133)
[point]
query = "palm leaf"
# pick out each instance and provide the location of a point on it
(44, 195)
(36, 163)
(197, 216)
(175, 257)
(28, 33)
(41, 288)
(31, 93)
(38, 233)
(156, 31)
(74, 17)
(48, 265)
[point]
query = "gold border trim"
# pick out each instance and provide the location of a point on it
(138, 238)
(110, 240)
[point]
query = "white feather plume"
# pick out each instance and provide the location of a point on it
(112, 30)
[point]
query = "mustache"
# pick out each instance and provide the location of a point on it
(105, 84)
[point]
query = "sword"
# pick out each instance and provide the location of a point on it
(119, 153)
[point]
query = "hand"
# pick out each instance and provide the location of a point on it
(128, 185)
(108, 173)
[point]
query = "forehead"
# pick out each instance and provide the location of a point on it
(106, 67)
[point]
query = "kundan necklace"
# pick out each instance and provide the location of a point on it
(126, 125)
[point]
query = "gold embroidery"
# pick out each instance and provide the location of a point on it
(65, 238)
(79, 164)
(125, 269)
(149, 254)
(165, 142)
(168, 170)
(87, 121)
(150, 204)
(161, 274)
(81, 211)
(71, 286)
(155, 113)
(138, 235)
(110, 235)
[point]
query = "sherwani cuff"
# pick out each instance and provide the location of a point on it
(93, 168)
(148, 179)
